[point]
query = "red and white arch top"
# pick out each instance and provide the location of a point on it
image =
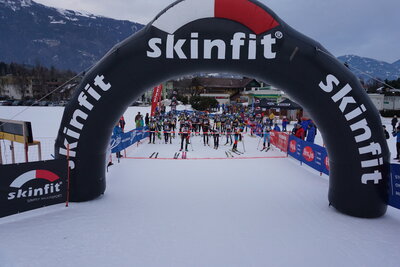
(242, 11)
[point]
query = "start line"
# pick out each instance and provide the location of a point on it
(226, 158)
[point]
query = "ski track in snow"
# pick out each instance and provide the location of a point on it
(258, 212)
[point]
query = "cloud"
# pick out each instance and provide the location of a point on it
(365, 28)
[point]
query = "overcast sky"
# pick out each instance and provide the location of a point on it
(368, 28)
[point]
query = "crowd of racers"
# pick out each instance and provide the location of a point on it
(225, 127)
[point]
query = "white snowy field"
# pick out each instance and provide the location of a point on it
(206, 212)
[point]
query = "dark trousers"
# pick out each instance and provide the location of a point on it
(216, 141)
(205, 137)
(152, 135)
(228, 137)
(184, 137)
(166, 137)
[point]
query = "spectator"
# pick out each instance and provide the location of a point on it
(138, 118)
(277, 128)
(300, 133)
(271, 116)
(147, 119)
(284, 124)
(304, 125)
(117, 131)
(122, 123)
(141, 122)
(294, 130)
(394, 122)
(397, 135)
(385, 132)
(311, 133)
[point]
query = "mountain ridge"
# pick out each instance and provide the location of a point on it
(33, 34)
(36, 34)
(368, 68)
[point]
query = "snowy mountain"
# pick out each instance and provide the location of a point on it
(397, 65)
(32, 33)
(374, 68)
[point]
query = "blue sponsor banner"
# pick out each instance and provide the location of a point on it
(125, 140)
(311, 154)
(394, 186)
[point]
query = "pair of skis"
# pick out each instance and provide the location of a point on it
(155, 154)
(176, 155)
(237, 152)
(229, 154)
(266, 149)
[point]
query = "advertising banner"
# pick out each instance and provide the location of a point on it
(280, 140)
(156, 98)
(311, 154)
(125, 140)
(30, 186)
(394, 194)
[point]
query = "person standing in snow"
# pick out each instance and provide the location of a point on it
(394, 122)
(284, 124)
(397, 135)
(138, 119)
(311, 133)
(122, 123)
(152, 129)
(385, 132)
(185, 134)
(277, 128)
(173, 126)
(216, 138)
(167, 132)
(117, 131)
(228, 128)
(236, 138)
(299, 132)
(267, 136)
(206, 128)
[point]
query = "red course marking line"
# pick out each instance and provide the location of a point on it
(276, 157)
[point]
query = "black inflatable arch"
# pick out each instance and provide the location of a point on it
(242, 37)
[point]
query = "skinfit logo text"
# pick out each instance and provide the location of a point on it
(174, 48)
(35, 192)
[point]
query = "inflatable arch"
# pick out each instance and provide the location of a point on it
(242, 37)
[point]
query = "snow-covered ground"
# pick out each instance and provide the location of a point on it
(205, 212)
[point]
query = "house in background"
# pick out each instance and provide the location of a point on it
(13, 87)
(224, 90)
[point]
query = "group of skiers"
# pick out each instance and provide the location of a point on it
(196, 124)
(231, 126)
(167, 126)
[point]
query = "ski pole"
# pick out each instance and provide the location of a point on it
(244, 149)
(259, 141)
(190, 142)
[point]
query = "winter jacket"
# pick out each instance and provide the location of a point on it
(300, 133)
(117, 130)
(311, 135)
(397, 135)
(276, 128)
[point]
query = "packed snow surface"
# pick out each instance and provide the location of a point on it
(197, 212)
